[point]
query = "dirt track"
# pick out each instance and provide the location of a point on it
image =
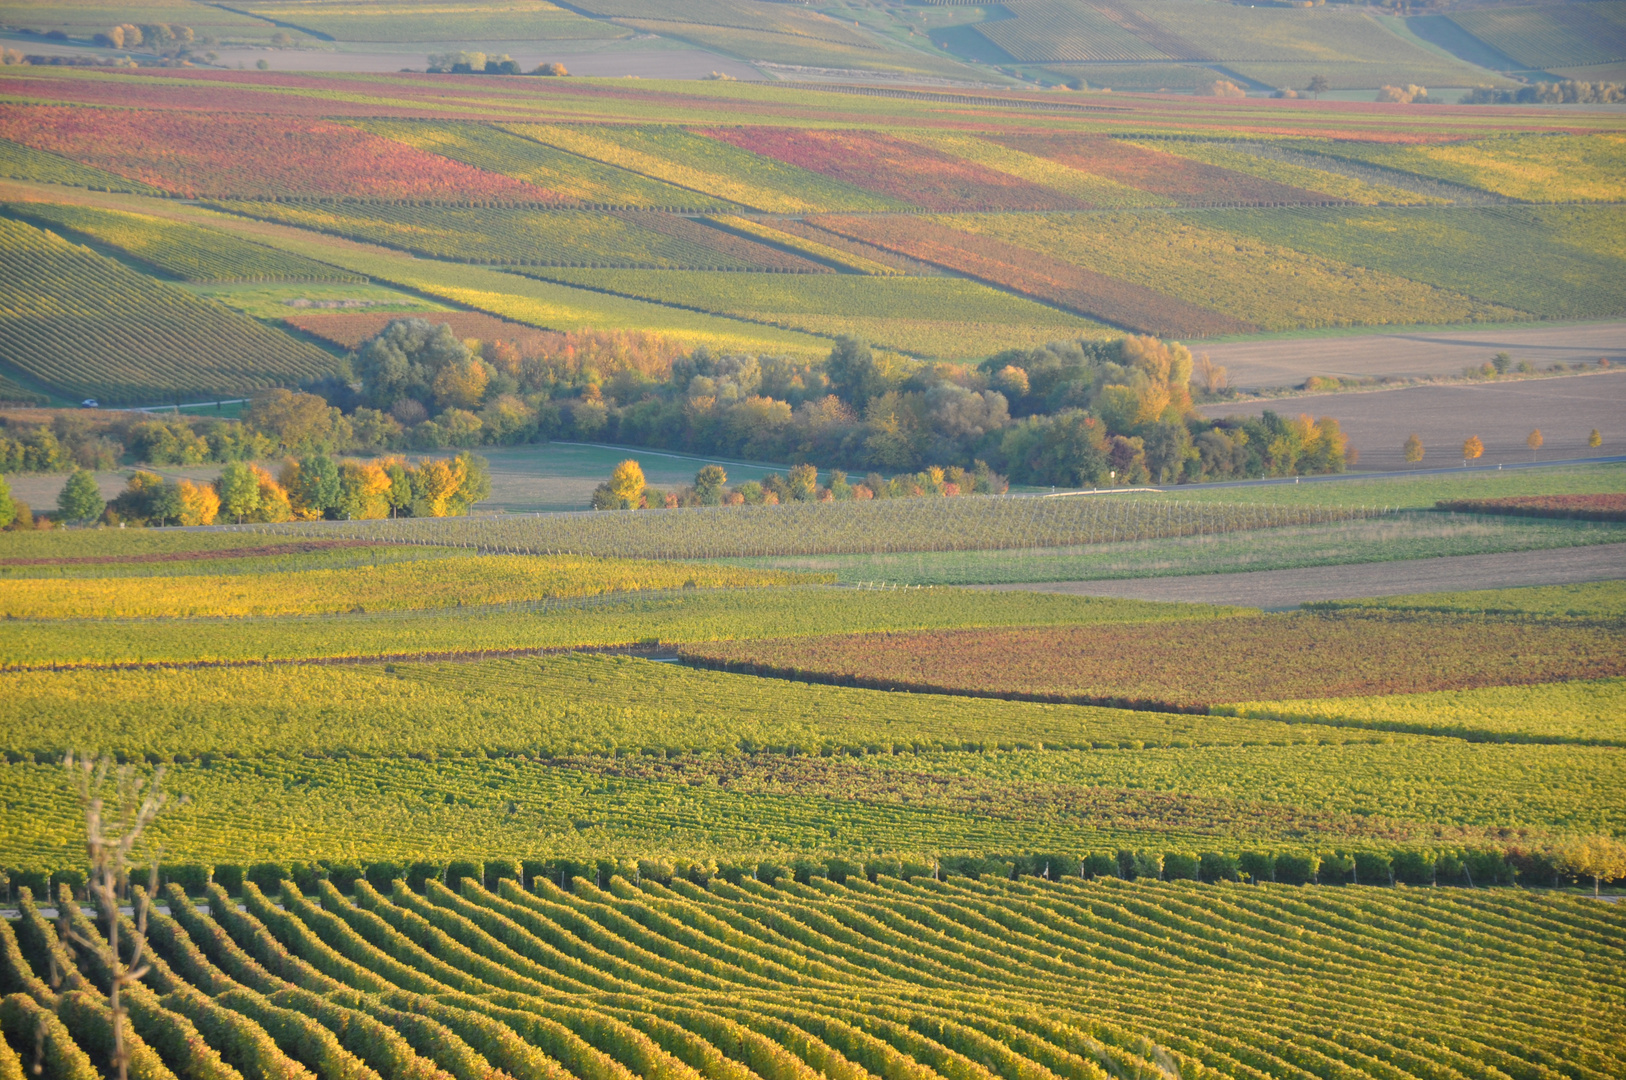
(1289, 361)
(1502, 414)
(1276, 589)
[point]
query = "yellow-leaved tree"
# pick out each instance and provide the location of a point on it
(200, 503)
(1472, 449)
(623, 491)
(1601, 858)
(434, 482)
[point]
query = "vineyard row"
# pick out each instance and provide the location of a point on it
(965, 979)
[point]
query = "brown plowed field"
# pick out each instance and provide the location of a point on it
(1189, 666)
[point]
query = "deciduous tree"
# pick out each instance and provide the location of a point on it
(1472, 449)
(239, 490)
(200, 504)
(1594, 440)
(708, 485)
(1413, 449)
(1534, 442)
(80, 498)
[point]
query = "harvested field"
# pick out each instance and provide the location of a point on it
(1502, 414)
(1581, 507)
(1192, 666)
(1288, 361)
(1289, 588)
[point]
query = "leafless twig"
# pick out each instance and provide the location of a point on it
(110, 841)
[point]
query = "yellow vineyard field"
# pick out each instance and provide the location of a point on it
(1271, 286)
(431, 583)
(1285, 172)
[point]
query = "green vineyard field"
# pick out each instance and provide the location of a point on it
(175, 248)
(936, 317)
(946, 524)
(89, 326)
(1556, 262)
(654, 975)
(515, 236)
(625, 619)
(1583, 711)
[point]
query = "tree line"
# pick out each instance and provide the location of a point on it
(1590, 860)
(311, 488)
(626, 488)
(1070, 414)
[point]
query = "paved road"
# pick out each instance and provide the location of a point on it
(1278, 589)
(1289, 361)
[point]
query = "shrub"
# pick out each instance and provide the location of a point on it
(1217, 866)
(1297, 869)
(1414, 867)
(1181, 866)
(382, 875)
(1101, 864)
(419, 873)
(266, 876)
(1335, 869)
(1373, 868)
(230, 878)
(343, 875)
(495, 871)
(458, 869)
(1258, 866)
(194, 878)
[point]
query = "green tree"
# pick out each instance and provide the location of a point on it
(239, 490)
(708, 485)
(301, 423)
(803, 482)
(853, 372)
(1501, 362)
(8, 508)
(1319, 85)
(316, 487)
(80, 499)
(400, 492)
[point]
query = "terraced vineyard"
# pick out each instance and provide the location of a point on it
(968, 977)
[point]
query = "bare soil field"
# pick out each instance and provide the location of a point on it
(1280, 589)
(1502, 414)
(1289, 361)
